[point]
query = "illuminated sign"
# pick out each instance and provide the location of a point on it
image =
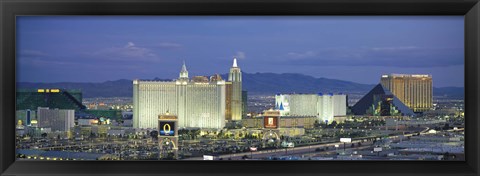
(207, 157)
(420, 76)
(172, 117)
(270, 122)
(345, 139)
(272, 113)
(167, 128)
(54, 90)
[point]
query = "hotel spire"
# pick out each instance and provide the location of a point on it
(234, 62)
(184, 72)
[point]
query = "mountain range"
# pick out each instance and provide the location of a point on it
(254, 83)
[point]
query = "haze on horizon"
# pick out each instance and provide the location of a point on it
(357, 48)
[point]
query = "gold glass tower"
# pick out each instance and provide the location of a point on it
(414, 90)
(235, 76)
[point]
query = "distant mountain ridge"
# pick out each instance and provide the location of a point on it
(254, 83)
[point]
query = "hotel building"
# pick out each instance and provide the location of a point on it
(235, 77)
(200, 102)
(415, 91)
(56, 119)
(324, 106)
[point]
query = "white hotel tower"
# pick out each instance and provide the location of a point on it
(324, 106)
(199, 102)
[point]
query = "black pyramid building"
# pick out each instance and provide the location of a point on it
(381, 102)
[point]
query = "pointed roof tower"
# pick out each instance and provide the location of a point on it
(234, 62)
(184, 72)
(184, 68)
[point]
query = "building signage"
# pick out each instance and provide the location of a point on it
(345, 139)
(270, 122)
(167, 129)
(207, 157)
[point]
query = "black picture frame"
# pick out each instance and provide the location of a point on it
(12, 8)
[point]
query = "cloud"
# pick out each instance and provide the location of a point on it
(393, 48)
(397, 56)
(130, 45)
(169, 45)
(240, 55)
(32, 53)
(306, 54)
(128, 52)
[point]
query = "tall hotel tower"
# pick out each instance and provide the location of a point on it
(415, 91)
(235, 92)
(197, 103)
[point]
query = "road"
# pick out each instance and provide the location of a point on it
(289, 151)
(306, 149)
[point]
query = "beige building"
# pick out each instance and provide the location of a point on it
(56, 119)
(235, 92)
(198, 102)
(228, 101)
(283, 122)
(414, 90)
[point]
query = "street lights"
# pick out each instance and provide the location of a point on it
(345, 140)
(252, 149)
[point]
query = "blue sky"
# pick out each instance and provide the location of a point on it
(358, 49)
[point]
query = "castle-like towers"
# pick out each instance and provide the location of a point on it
(198, 103)
(235, 77)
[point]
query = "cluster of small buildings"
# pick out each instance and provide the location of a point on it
(44, 120)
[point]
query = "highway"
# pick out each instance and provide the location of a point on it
(293, 150)
(311, 149)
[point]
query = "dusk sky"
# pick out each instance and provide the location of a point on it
(358, 49)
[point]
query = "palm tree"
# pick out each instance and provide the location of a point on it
(154, 134)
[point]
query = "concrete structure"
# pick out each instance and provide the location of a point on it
(86, 122)
(26, 116)
(324, 106)
(228, 101)
(283, 122)
(414, 90)
(56, 119)
(197, 104)
(168, 136)
(235, 77)
(244, 103)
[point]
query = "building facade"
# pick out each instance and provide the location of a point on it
(415, 91)
(235, 77)
(324, 106)
(381, 102)
(26, 116)
(51, 98)
(244, 103)
(200, 102)
(56, 119)
(228, 101)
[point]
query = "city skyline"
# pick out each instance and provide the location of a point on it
(97, 49)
